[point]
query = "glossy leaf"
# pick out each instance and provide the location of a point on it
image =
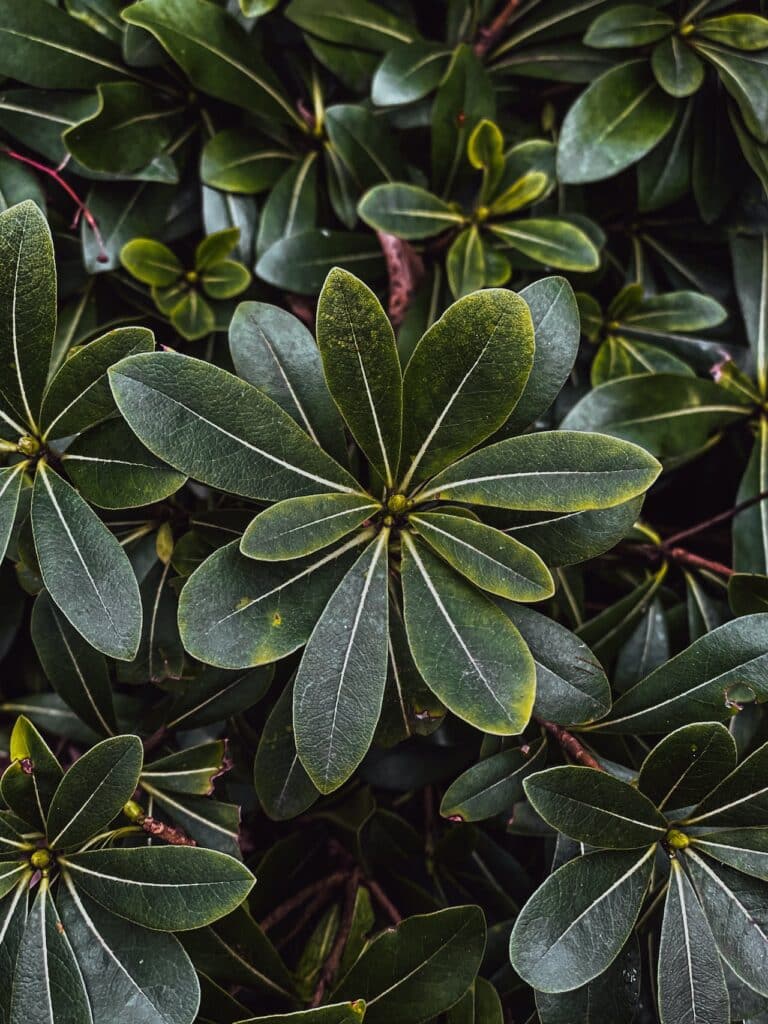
(555, 243)
(408, 211)
(687, 764)
(493, 785)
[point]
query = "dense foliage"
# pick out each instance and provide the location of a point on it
(383, 511)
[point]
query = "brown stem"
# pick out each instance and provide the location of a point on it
(489, 34)
(384, 901)
(405, 269)
(684, 557)
(82, 208)
(301, 897)
(722, 517)
(307, 914)
(168, 833)
(153, 742)
(332, 964)
(570, 744)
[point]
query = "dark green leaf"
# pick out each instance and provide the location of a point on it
(687, 764)
(282, 784)
(493, 785)
(408, 211)
(302, 261)
(408, 72)
(300, 526)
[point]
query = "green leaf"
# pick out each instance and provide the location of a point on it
(243, 163)
(750, 265)
(187, 771)
(488, 558)
(629, 25)
(84, 568)
(664, 175)
(595, 808)
(468, 651)
(13, 918)
(189, 413)
(613, 995)
(558, 471)
(687, 764)
(745, 849)
(676, 67)
(274, 351)
(408, 211)
(166, 888)
(111, 468)
(482, 345)
(614, 122)
(362, 368)
(337, 1013)
(282, 784)
(11, 480)
(748, 593)
(571, 685)
(676, 311)
(77, 672)
(493, 785)
(151, 262)
(27, 311)
(741, 31)
(671, 415)
(302, 261)
(743, 75)
(192, 317)
(690, 972)
(598, 894)
(291, 207)
(216, 247)
(418, 969)
(49, 49)
(465, 90)
(339, 686)
(214, 695)
(409, 72)
(355, 23)
(29, 793)
(124, 965)
(555, 243)
(740, 799)
(225, 279)
(235, 612)
(465, 263)
(623, 357)
(79, 396)
(216, 53)
(361, 142)
(94, 791)
(480, 1005)
(301, 526)
(47, 983)
(695, 686)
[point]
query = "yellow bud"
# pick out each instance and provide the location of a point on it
(133, 811)
(677, 840)
(41, 859)
(397, 503)
(28, 445)
(164, 543)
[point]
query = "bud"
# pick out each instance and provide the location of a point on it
(164, 543)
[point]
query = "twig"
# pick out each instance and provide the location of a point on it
(405, 269)
(308, 913)
(153, 742)
(722, 517)
(489, 34)
(684, 557)
(301, 897)
(82, 208)
(384, 901)
(570, 744)
(332, 964)
(168, 833)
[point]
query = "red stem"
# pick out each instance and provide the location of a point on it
(487, 36)
(722, 517)
(570, 744)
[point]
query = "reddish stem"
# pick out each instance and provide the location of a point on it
(722, 517)
(487, 36)
(405, 270)
(82, 208)
(384, 901)
(684, 557)
(301, 897)
(331, 966)
(570, 744)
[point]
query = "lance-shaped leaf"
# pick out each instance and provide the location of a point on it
(79, 395)
(558, 471)
(614, 122)
(274, 351)
(571, 685)
(464, 379)
(493, 785)
(691, 982)
(737, 911)
(595, 808)
(11, 874)
(362, 368)
(27, 311)
(215, 52)
(94, 791)
(696, 685)
(221, 430)
(750, 265)
(467, 650)
(421, 967)
(13, 918)
(47, 982)
(235, 612)
(629, 25)
(187, 771)
(490, 559)
(84, 568)
(125, 966)
(552, 944)
(745, 849)
(687, 764)
(300, 526)
(741, 798)
(166, 888)
(340, 683)
(408, 211)
(555, 243)
(281, 781)
(11, 479)
(160, 655)
(211, 823)
(362, 25)
(743, 75)
(31, 779)
(614, 995)
(77, 672)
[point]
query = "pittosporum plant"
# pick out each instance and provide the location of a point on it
(398, 535)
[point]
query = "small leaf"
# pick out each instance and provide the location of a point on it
(555, 243)
(687, 764)
(740, 799)
(298, 527)
(29, 793)
(282, 784)
(676, 67)
(151, 262)
(409, 72)
(493, 785)
(629, 25)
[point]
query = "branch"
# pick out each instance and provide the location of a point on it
(680, 556)
(332, 964)
(715, 520)
(82, 208)
(168, 833)
(570, 744)
(488, 35)
(405, 269)
(301, 897)
(384, 901)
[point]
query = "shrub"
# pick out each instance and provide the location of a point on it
(383, 537)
